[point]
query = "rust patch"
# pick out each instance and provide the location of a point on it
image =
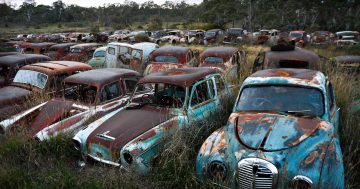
(311, 158)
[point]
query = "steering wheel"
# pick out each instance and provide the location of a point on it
(169, 101)
(262, 102)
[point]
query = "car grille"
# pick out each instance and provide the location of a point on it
(256, 173)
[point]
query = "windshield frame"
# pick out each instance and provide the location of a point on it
(152, 91)
(39, 73)
(323, 96)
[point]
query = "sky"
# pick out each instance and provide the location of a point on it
(94, 3)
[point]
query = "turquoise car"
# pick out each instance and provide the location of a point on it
(129, 137)
(98, 59)
(283, 133)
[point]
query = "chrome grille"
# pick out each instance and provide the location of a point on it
(256, 173)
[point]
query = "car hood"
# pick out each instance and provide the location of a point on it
(52, 111)
(13, 95)
(125, 126)
(273, 132)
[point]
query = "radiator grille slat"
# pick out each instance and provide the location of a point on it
(257, 174)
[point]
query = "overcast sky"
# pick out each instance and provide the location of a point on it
(93, 3)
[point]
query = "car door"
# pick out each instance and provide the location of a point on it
(202, 100)
(136, 59)
(259, 62)
(334, 110)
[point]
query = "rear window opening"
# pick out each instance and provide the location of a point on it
(293, 64)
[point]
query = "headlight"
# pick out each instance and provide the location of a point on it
(77, 144)
(217, 170)
(128, 157)
(301, 182)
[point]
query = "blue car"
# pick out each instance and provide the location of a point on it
(283, 133)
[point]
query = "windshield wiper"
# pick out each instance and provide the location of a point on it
(301, 113)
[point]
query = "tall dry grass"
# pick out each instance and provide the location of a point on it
(26, 163)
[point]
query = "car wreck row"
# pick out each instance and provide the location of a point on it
(282, 132)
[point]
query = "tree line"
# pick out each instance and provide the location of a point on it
(332, 15)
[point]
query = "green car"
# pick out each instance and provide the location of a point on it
(98, 59)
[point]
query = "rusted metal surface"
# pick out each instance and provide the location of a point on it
(297, 58)
(66, 115)
(347, 63)
(11, 63)
(81, 52)
(130, 137)
(56, 52)
(182, 77)
(18, 92)
(160, 67)
(8, 53)
(38, 48)
(176, 51)
(320, 37)
(214, 36)
(292, 145)
(298, 37)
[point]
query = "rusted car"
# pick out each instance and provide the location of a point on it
(233, 36)
(214, 36)
(262, 37)
(10, 64)
(81, 52)
(320, 37)
(38, 48)
(8, 53)
(170, 57)
(173, 36)
(227, 59)
(347, 38)
(299, 38)
(98, 59)
(130, 137)
(297, 58)
(119, 35)
(348, 63)
(84, 97)
(123, 55)
(56, 52)
(39, 78)
(283, 133)
(194, 37)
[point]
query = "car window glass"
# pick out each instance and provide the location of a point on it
(171, 59)
(99, 54)
(110, 92)
(111, 50)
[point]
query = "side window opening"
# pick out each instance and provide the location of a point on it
(130, 84)
(110, 92)
(330, 94)
(201, 94)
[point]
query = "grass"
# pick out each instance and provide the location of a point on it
(26, 163)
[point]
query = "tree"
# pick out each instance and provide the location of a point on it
(155, 23)
(28, 8)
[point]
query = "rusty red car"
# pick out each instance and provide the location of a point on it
(84, 97)
(320, 37)
(347, 63)
(227, 59)
(36, 79)
(170, 57)
(81, 52)
(299, 38)
(38, 48)
(56, 52)
(296, 58)
(10, 64)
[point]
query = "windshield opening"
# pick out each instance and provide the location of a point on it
(100, 54)
(30, 77)
(281, 99)
(80, 93)
(210, 34)
(296, 35)
(212, 59)
(164, 95)
(75, 50)
(171, 59)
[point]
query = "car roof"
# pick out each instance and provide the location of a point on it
(100, 77)
(51, 68)
(43, 44)
(224, 52)
(348, 59)
(14, 60)
(172, 50)
(63, 45)
(181, 76)
(288, 76)
(86, 45)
